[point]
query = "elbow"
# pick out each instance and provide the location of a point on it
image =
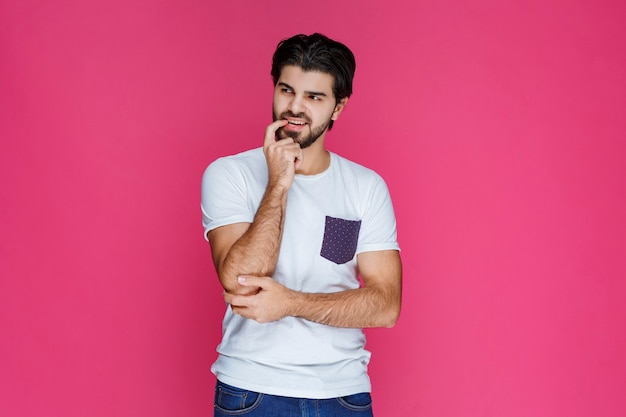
(231, 286)
(389, 310)
(392, 311)
(392, 319)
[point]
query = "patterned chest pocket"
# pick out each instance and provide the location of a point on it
(340, 239)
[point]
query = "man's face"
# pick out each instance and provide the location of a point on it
(307, 102)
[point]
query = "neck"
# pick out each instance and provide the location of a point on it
(316, 159)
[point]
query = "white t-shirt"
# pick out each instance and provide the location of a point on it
(330, 218)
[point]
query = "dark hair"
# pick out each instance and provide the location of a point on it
(317, 52)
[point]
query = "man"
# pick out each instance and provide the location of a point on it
(291, 226)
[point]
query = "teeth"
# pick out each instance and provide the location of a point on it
(295, 123)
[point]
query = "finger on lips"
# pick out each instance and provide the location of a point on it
(270, 132)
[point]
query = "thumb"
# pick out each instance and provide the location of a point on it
(251, 281)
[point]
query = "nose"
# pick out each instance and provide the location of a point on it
(295, 105)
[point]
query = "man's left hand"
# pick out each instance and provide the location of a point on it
(269, 304)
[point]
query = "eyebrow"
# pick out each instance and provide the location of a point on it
(309, 93)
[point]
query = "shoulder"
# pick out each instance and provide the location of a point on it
(358, 172)
(250, 157)
(251, 162)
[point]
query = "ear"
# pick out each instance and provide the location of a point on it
(338, 108)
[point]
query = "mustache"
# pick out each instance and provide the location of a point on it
(302, 116)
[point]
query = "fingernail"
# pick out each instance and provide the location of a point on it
(241, 280)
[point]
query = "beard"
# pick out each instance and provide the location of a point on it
(298, 137)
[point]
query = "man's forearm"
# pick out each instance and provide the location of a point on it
(376, 304)
(256, 251)
(358, 308)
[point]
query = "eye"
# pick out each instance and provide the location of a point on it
(315, 98)
(286, 90)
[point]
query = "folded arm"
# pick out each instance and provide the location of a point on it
(376, 304)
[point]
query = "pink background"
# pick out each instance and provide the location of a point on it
(498, 125)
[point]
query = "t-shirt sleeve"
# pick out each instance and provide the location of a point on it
(223, 196)
(378, 228)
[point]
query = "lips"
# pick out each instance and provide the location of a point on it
(296, 122)
(294, 119)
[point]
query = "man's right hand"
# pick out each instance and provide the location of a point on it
(283, 156)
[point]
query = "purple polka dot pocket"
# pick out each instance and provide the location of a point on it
(340, 239)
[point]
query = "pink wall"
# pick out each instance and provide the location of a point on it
(499, 127)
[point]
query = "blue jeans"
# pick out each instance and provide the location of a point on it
(231, 401)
